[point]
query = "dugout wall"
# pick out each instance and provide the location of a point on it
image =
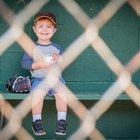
(88, 74)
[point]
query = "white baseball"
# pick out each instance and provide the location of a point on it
(48, 59)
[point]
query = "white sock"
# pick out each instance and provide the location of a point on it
(61, 115)
(36, 117)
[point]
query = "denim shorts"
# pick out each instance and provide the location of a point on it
(36, 81)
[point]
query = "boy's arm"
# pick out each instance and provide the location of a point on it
(40, 65)
(28, 63)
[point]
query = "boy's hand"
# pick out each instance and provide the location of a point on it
(39, 65)
(56, 57)
(51, 59)
(46, 62)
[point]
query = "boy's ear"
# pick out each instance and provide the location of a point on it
(55, 30)
(33, 28)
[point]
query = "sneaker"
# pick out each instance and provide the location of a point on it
(61, 127)
(38, 128)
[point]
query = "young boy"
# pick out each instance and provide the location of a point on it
(44, 27)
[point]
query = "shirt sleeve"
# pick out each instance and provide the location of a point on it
(59, 47)
(27, 62)
(61, 51)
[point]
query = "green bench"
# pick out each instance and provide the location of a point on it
(81, 95)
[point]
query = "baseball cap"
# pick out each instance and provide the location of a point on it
(48, 15)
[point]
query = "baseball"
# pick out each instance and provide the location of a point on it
(48, 59)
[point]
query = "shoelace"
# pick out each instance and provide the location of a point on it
(61, 125)
(38, 124)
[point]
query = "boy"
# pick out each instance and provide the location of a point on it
(44, 27)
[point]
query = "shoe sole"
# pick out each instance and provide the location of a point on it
(38, 134)
(60, 134)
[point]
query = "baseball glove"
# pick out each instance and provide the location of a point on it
(18, 84)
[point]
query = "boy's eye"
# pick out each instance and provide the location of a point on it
(40, 26)
(45, 26)
(49, 26)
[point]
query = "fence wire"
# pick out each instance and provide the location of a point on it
(91, 36)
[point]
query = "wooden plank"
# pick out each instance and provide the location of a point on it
(80, 96)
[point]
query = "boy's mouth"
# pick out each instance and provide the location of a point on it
(44, 33)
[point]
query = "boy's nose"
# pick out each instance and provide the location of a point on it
(44, 28)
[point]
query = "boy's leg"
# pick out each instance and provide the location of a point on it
(37, 101)
(61, 107)
(37, 104)
(61, 104)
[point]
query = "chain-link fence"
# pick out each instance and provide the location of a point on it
(92, 27)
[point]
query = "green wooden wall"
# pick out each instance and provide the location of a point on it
(120, 122)
(122, 35)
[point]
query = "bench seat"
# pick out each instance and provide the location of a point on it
(79, 95)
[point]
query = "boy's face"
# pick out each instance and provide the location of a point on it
(44, 30)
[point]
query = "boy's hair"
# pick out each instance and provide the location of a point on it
(47, 15)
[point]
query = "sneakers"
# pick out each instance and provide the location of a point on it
(38, 128)
(61, 127)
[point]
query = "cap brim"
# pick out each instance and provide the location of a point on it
(46, 17)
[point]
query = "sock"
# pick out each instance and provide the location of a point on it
(61, 115)
(36, 117)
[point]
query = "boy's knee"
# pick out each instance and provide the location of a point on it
(38, 93)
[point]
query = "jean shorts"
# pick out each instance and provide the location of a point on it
(37, 82)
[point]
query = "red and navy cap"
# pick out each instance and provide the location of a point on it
(48, 15)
